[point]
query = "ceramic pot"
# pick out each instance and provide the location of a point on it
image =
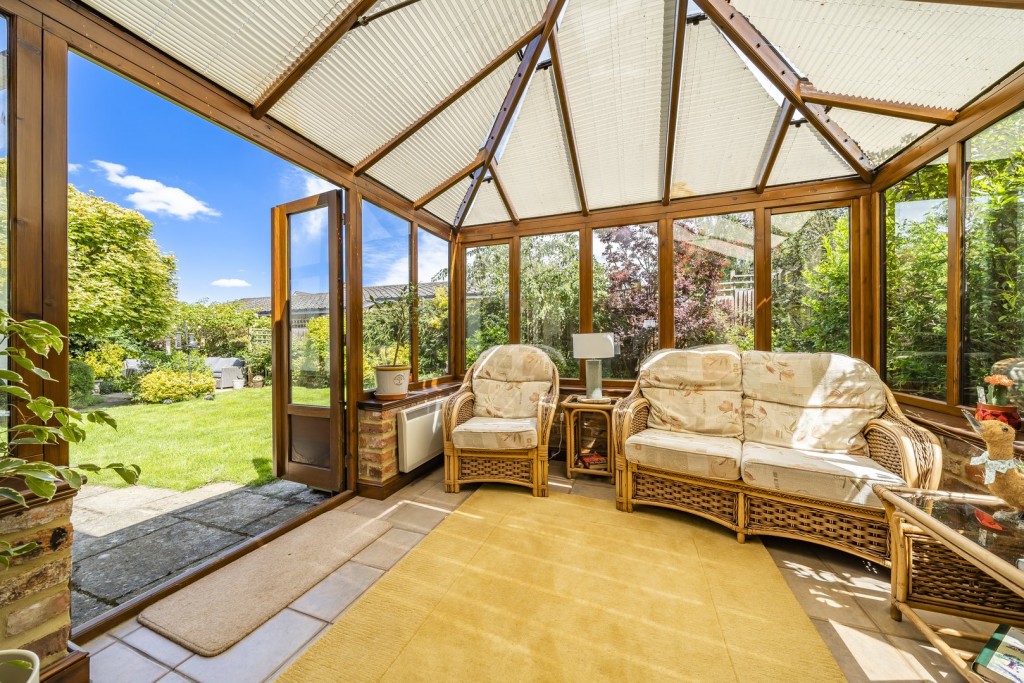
(1008, 414)
(392, 382)
(16, 674)
(257, 381)
(238, 384)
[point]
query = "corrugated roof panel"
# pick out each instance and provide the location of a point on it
(725, 118)
(928, 53)
(616, 71)
(535, 165)
(447, 143)
(487, 207)
(806, 156)
(447, 205)
(242, 46)
(879, 136)
(382, 77)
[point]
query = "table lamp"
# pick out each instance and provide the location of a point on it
(592, 348)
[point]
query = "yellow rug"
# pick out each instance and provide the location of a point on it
(516, 588)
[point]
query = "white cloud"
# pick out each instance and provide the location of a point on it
(230, 282)
(74, 168)
(153, 196)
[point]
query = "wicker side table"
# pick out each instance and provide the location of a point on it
(577, 414)
(946, 558)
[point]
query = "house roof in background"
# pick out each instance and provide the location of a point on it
(318, 301)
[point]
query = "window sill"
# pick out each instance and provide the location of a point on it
(376, 405)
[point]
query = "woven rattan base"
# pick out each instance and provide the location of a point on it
(681, 495)
(489, 469)
(833, 526)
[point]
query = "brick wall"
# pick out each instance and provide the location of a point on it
(378, 442)
(35, 593)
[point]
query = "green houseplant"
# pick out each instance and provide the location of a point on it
(389, 320)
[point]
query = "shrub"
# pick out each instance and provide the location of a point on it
(161, 385)
(106, 360)
(259, 360)
(80, 379)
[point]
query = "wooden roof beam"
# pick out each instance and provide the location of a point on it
(679, 34)
(778, 134)
(410, 130)
(513, 98)
(767, 59)
(503, 193)
(341, 25)
(934, 115)
(450, 182)
(567, 124)
(1002, 4)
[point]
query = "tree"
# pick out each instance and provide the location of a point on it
(118, 281)
(550, 296)
(433, 325)
(220, 329)
(487, 271)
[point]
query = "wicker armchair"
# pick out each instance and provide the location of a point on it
(496, 427)
(900, 447)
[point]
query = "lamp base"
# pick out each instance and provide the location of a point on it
(594, 378)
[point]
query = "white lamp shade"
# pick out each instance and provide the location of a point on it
(596, 345)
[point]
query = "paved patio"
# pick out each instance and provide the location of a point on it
(129, 540)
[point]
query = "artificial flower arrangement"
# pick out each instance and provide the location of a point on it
(994, 404)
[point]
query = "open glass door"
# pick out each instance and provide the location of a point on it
(308, 343)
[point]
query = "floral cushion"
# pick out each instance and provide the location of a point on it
(496, 434)
(509, 381)
(814, 401)
(717, 457)
(695, 390)
(839, 477)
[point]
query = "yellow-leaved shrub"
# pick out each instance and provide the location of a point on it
(161, 385)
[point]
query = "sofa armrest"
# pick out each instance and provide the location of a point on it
(546, 409)
(905, 449)
(458, 408)
(630, 417)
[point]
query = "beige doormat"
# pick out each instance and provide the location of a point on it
(214, 613)
(516, 588)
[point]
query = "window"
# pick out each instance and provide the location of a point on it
(549, 296)
(487, 285)
(993, 305)
(385, 278)
(5, 298)
(713, 280)
(811, 280)
(626, 293)
(309, 316)
(432, 312)
(915, 282)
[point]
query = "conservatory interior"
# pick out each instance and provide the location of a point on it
(790, 234)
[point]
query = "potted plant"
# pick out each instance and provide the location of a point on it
(19, 666)
(392, 320)
(995, 403)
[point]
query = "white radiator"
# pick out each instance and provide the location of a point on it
(419, 435)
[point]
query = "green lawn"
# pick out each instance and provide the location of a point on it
(186, 445)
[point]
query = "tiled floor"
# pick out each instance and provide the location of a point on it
(846, 598)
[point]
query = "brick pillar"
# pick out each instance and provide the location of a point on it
(35, 592)
(378, 446)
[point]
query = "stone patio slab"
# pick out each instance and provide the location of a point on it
(234, 510)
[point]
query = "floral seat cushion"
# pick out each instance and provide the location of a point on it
(717, 457)
(510, 380)
(496, 434)
(839, 477)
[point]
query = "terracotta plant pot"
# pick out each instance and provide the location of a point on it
(392, 382)
(1008, 414)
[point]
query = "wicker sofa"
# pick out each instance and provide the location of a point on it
(496, 427)
(784, 444)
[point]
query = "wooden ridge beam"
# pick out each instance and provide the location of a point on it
(766, 58)
(341, 25)
(775, 140)
(509, 107)
(410, 130)
(679, 36)
(451, 182)
(935, 115)
(500, 186)
(567, 125)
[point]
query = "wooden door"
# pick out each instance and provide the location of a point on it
(307, 285)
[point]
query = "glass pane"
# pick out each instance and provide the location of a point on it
(713, 280)
(486, 299)
(432, 266)
(549, 296)
(5, 302)
(811, 281)
(993, 341)
(387, 309)
(309, 316)
(915, 282)
(626, 293)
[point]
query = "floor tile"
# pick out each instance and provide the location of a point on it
(329, 598)
(234, 511)
(370, 507)
(97, 643)
(388, 549)
(866, 656)
(101, 524)
(98, 535)
(174, 677)
(121, 500)
(415, 516)
(157, 647)
(85, 607)
(927, 660)
(291, 511)
(259, 654)
(125, 627)
(437, 496)
(120, 664)
(593, 489)
(185, 499)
